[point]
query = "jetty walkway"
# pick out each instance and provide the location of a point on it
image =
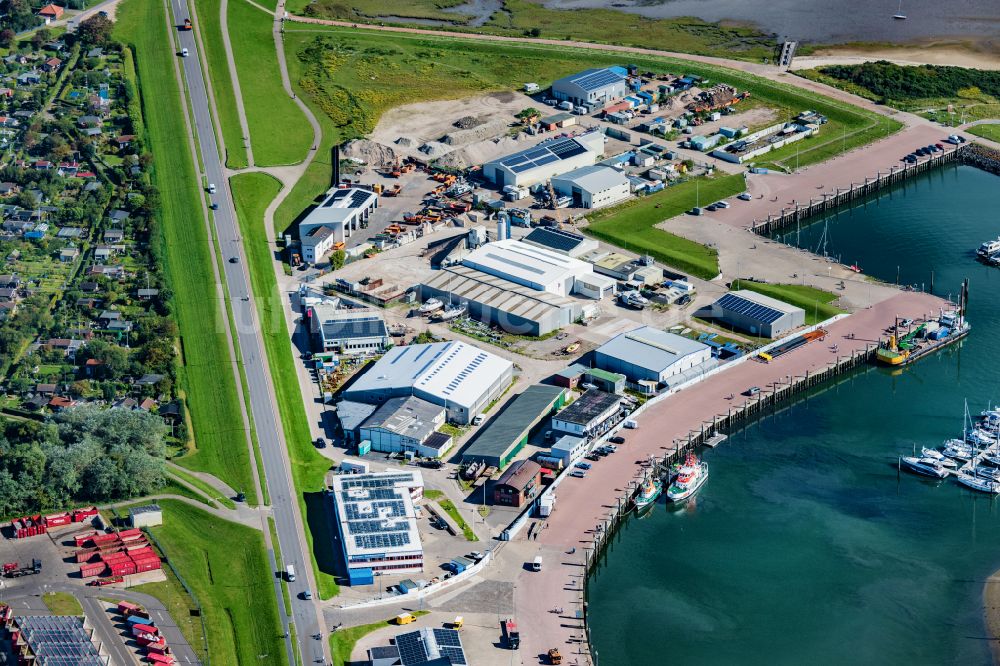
(585, 505)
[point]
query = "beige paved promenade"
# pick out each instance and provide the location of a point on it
(583, 503)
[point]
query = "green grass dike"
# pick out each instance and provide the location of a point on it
(818, 303)
(226, 567)
(279, 131)
(205, 376)
(252, 193)
(632, 225)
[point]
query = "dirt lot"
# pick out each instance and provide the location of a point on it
(430, 121)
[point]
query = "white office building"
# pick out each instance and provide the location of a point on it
(461, 378)
(594, 186)
(333, 221)
(377, 521)
(347, 331)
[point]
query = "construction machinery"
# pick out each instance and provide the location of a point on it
(393, 191)
(554, 656)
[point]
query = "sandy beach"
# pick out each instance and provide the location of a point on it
(991, 609)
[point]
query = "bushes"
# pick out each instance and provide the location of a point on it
(889, 81)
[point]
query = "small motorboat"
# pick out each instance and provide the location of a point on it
(923, 466)
(988, 473)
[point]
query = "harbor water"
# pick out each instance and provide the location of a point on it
(807, 545)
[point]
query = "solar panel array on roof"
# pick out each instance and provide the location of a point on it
(383, 540)
(542, 154)
(425, 645)
(555, 239)
(742, 306)
(59, 641)
(593, 80)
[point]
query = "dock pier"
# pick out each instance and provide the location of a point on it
(872, 184)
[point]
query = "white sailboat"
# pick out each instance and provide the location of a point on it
(979, 483)
(899, 15)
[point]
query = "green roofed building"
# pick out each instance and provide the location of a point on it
(505, 435)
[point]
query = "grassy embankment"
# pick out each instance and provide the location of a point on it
(818, 303)
(521, 18)
(929, 90)
(208, 24)
(174, 487)
(226, 566)
(991, 132)
(279, 132)
(342, 642)
(252, 192)
(632, 225)
(449, 507)
(62, 603)
(205, 375)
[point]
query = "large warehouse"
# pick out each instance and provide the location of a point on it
(650, 354)
(757, 314)
(593, 186)
(529, 265)
(333, 221)
(592, 86)
(377, 523)
(461, 378)
(549, 158)
(498, 443)
(495, 300)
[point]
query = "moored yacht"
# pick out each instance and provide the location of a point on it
(924, 467)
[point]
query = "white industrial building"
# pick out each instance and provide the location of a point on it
(495, 300)
(591, 415)
(594, 87)
(149, 515)
(593, 186)
(377, 522)
(539, 268)
(407, 425)
(342, 212)
(547, 159)
(348, 331)
(461, 378)
(569, 449)
(649, 354)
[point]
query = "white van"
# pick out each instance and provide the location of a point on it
(290, 573)
(566, 106)
(536, 565)
(630, 423)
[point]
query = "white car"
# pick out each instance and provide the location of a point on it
(184, 53)
(211, 188)
(744, 197)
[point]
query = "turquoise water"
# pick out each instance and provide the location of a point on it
(806, 546)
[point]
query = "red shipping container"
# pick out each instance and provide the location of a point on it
(158, 648)
(141, 553)
(138, 629)
(141, 544)
(57, 519)
(124, 607)
(83, 539)
(147, 565)
(160, 659)
(115, 558)
(130, 533)
(143, 641)
(104, 538)
(91, 570)
(85, 556)
(81, 515)
(148, 557)
(126, 568)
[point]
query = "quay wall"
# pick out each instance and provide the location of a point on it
(966, 153)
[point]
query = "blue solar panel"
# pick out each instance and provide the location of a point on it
(598, 79)
(387, 540)
(522, 167)
(748, 308)
(548, 159)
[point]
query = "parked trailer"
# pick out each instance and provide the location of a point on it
(511, 636)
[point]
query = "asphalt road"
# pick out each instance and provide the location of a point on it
(305, 614)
